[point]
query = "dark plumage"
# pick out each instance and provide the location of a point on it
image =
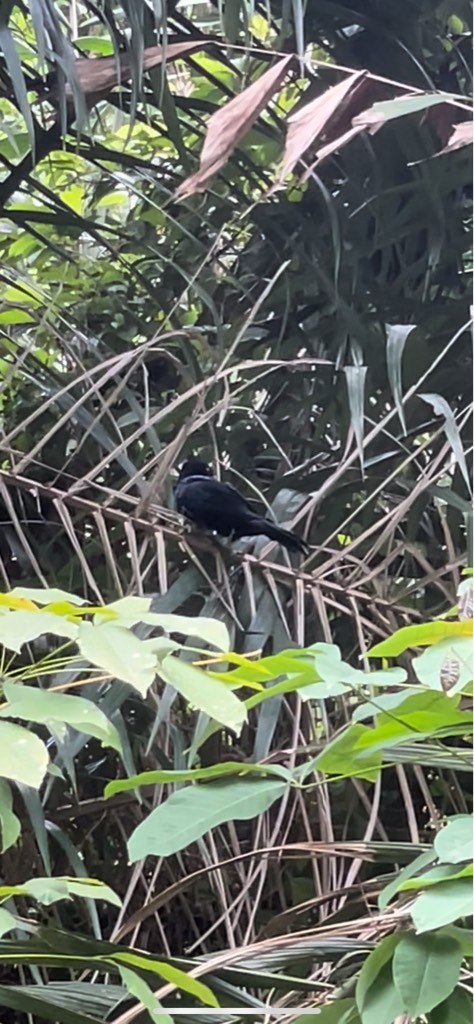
(211, 505)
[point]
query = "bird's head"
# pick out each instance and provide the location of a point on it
(194, 468)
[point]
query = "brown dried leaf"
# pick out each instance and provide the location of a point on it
(331, 112)
(98, 75)
(463, 135)
(229, 124)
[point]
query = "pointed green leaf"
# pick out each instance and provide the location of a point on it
(215, 771)
(119, 652)
(204, 692)
(451, 429)
(23, 756)
(443, 904)
(397, 335)
(20, 627)
(454, 843)
(194, 810)
(425, 970)
(32, 704)
(10, 826)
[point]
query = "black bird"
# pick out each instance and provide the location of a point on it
(211, 505)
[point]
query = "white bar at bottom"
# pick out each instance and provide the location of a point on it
(221, 1012)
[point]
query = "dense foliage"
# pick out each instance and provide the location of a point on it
(241, 231)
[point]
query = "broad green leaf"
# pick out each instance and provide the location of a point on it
(50, 890)
(453, 657)
(425, 970)
(390, 890)
(382, 1003)
(463, 936)
(20, 627)
(457, 1009)
(131, 610)
(340, 1011)
(119, 652)
(204, 692)
(419, 636)
(440, 873)
(340, 677)
(210, 630)
(29, 703)
(139, 988)
(454, 843)
(169, 973)
(383, 701)
(47, 595)
(341, 756)
(372, 966)
(400, 107)
(10, 825)
(442, 904)
(23, 756)
(190, 812)
(95, 44)
(214, 771)
(417, 717)
(8, 922)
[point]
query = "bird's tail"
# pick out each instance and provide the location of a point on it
(288, 539)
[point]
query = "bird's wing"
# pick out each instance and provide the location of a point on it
(211, 504)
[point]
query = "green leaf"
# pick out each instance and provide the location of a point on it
(47, 595)
(23, 756)
(418, 636)
(355, 379)
(173, 975)
(451, 429)
(454, 654)
(417, 717)
(10, 825)
(457, 1009)
(50, 890)
(373, 964)
(341, 756)
(383, 701)
(20, 627)
(119, 652)
(340, 1011)
(397, 335)
(8, 922)
(95, 44)
(440, 873)
(340, 677)
(442, 904)
(32, 704)
(406, 873)
(190, 812)
(138, 988)
(214, 771)
(426, 970)
(15, 70)
(382, 1003)
(388, 109)
(454, 843)
(204, 692)
(132, 610)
